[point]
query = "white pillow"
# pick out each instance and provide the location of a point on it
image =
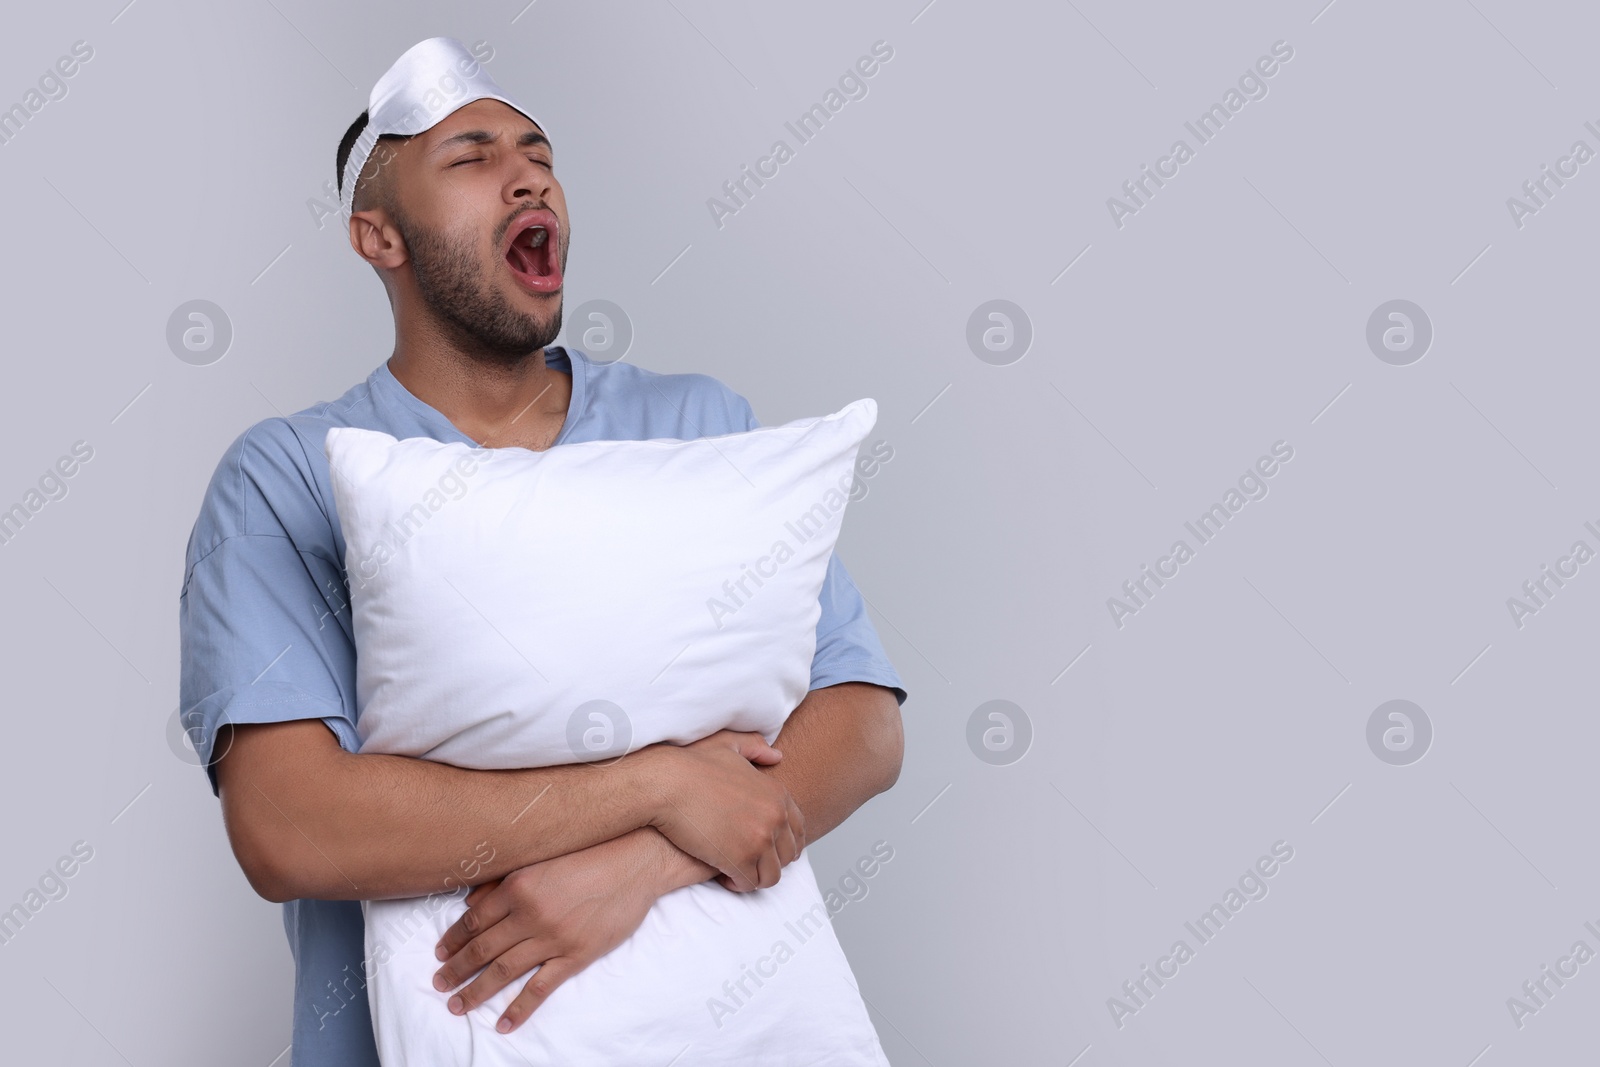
(514, 608)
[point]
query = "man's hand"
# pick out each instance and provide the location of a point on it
(719, 808)
(559, 915)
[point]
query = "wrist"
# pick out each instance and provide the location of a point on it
(651, 786)
(665, 867)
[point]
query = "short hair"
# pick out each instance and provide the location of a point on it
(371, 189)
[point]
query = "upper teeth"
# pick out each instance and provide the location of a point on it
(538, 235)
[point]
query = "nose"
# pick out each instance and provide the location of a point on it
(530, 180)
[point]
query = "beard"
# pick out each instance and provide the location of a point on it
(476, 315)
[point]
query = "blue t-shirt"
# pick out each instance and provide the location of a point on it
(264, 617)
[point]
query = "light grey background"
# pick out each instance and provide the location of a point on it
(1228, 314)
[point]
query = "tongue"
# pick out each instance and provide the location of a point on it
(526, 260)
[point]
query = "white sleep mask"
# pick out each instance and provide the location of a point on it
(433, 79)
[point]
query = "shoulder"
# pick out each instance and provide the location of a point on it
(282, 456)
(287, 444)
(265, 484)
(268, 455)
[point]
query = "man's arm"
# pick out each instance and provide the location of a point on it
(841, 746)
(308, 819)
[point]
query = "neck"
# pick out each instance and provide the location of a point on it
(493, 402)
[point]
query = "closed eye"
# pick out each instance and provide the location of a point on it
(479, 159)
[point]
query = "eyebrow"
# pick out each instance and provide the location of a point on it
(529, 137)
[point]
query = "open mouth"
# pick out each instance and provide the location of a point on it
(532, 251)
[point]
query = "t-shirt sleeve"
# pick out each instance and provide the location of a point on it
(262, 616)
(848, 647)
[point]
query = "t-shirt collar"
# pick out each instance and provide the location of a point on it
(558, 358)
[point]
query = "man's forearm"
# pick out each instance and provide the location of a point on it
(841, 747)
(334, 825)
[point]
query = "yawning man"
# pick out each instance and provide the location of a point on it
(451, 196)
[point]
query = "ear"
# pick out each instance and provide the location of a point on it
(376, 239)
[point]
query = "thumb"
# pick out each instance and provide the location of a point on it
(754, 748)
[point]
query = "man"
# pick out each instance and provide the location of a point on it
(466, 225)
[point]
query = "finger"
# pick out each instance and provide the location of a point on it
(754, 748)
(785, 845)
(477, 893)
(514, 962)
(797, 824)
(765, 756)
(481, 914)
(475, 955)
(550, 975)
(788, 846)
(768, 869)
(473, 940)
(742, 876)
(741, 880)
